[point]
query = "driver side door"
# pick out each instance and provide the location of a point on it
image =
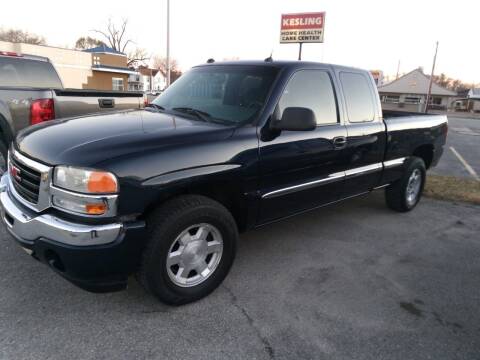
(300, 170)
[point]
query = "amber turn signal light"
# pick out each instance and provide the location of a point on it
(102, 182)
(95, 209)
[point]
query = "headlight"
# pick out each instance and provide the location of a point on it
(85, 180)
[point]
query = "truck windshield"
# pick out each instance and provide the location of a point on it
(227, 94)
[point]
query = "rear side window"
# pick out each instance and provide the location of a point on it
(358, 97)
(18, 72)
(311, 89)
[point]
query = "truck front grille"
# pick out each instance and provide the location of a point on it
(25, 180)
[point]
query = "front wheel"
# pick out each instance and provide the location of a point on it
(190, 249)
(404, 194)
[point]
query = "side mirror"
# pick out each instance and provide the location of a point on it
(296, 119)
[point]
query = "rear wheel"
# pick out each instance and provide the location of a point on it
(191, 247)
(405, 193)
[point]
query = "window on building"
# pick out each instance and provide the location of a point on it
(391, 99)
(413, 99)
(311, 89)
(117, 84)
(436, 100)
(358, 96)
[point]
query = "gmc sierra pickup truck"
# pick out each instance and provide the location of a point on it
(163, 192)
(31, 92)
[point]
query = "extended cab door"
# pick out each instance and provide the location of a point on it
(366, 136)
(300, 170)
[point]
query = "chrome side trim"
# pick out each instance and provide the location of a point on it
(331, 178)
(363, 170)
(395, 162)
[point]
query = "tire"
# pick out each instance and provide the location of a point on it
(209, 233)
(3, 157)
(404, 194)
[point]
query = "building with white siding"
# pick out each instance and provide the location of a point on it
(409, 93)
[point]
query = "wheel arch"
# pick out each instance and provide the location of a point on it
(222, 188)
(425, 152)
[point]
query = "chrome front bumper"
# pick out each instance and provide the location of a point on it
(27, 226)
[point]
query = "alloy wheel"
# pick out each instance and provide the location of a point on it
(194, 255)
(413, 186)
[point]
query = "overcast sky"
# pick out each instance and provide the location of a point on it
(368, 34)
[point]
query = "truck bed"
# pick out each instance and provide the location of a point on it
(409, 130)
(73, 102)
(394, 114)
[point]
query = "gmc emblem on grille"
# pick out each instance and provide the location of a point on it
(15, 172)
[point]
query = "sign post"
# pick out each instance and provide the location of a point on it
(302, 28)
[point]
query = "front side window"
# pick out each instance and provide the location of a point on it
(225, 94)
(358, 97)
(311, 89)
(117, 84)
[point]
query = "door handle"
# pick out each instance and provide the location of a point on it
(106, 103)
(339, 142)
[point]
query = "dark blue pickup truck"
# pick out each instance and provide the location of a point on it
(163, 192)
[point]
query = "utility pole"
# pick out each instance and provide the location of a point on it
(300, 52)
(398, 70)
(429, 94)
(168, 43)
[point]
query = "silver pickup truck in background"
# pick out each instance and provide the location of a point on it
(31, 92)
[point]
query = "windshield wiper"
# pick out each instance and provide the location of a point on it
(154, 106)
(199, 114)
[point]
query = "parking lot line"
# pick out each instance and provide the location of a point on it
(464, 162)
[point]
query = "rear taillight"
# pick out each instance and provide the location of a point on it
(41, 110)
(10, 53)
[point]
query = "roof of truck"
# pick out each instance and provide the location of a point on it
(280, 64)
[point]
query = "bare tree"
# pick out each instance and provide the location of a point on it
(87, 42)
(160, 63)
(450, 83)
(20, 36)
(115, 35)
(137, 57)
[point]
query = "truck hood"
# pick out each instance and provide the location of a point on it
(86, 141)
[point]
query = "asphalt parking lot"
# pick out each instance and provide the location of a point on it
(353, 281)
(464, 138)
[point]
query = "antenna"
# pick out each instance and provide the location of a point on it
(270, 58)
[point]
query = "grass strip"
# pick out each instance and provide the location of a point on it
(453, 189)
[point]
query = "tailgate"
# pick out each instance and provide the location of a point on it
(81, 102)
